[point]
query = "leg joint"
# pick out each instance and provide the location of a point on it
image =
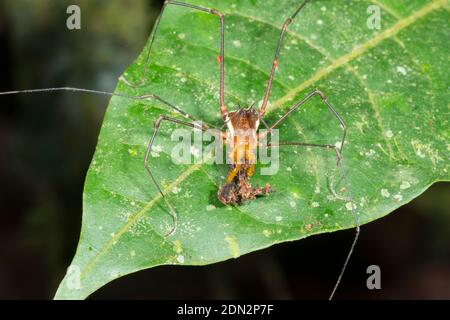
(217, 13)
(286, 24)
(320, 93)
(158, 121)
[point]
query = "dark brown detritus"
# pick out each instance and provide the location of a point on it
(240, 190)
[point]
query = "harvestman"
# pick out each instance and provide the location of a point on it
(243, 118)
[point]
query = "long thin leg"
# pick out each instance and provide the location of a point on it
(111, 94)
(172, 211)
(339, 166)
(329, 106)
(220, 58)
(202, 127)
(307, 144)
(287, 22)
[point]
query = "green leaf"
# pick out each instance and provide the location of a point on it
(390, 86)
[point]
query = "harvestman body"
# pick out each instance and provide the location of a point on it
(236, 189)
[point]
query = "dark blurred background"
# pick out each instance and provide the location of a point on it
(47, 142)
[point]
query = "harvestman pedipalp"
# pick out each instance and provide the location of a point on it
(247, 119)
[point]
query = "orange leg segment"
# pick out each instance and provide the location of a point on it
(233, 173)
(249, 156)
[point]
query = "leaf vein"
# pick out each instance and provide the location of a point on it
(358, 51)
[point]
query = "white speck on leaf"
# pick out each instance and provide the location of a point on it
(292, 204)
(181, 36)
(114, 274)
(210, 207)
(180, 258)
(405, 185)
(278, 218)
(350, 206)
(156, 150)
(401, 70)
(237, 43)
(389, 134)
(187, 194)
(175, 190)
(363, 201)
(385, 193)
(315, 204)
(398, 197)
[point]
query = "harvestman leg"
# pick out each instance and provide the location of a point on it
(223, 108)
(105, 93)
(287, 22)
(339, 158)
(172, 211)
(220, 58)
(262, 110)
(329, 106)
(157, 124)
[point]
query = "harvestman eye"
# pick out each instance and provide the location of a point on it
(237, 189)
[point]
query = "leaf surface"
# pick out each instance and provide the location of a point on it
(390, 86)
